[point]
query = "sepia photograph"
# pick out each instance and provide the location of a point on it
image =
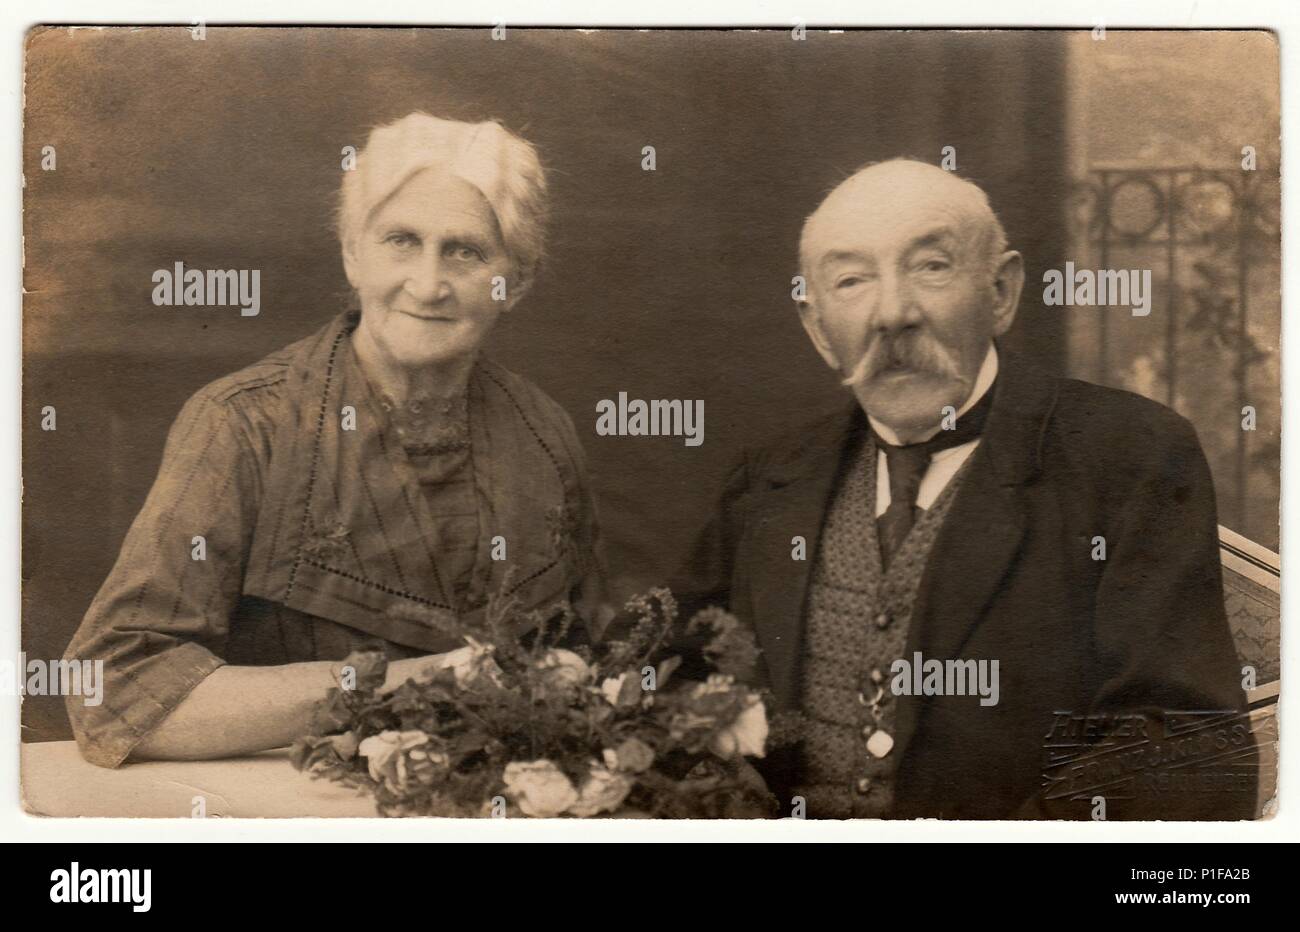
(748, 424)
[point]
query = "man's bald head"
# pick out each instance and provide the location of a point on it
(908, 280)
(885, 191)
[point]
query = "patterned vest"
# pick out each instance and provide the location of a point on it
(856, 623)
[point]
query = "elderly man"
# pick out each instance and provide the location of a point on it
(981, 591)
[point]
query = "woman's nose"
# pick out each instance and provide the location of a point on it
(428, 283)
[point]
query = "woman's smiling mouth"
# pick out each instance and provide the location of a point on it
(430, 318)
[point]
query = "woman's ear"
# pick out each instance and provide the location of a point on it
(517, 286)
(350, 262)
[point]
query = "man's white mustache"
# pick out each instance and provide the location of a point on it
(933, 359)
(860, 372)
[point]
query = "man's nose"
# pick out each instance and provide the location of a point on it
(896, 305)
(428, 282)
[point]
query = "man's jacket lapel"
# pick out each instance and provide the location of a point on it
(791, 499)
(983, 531)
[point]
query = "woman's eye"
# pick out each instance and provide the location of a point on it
(465, 253)
(402, 240)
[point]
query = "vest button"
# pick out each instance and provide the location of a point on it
(883, 620)
(863, 786)
(880, 743)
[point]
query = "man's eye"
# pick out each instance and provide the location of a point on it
(849, 281)
(935, 265)
(402, 240)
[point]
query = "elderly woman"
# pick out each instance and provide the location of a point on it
(373, 483)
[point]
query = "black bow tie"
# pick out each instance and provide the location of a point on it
(907, 466)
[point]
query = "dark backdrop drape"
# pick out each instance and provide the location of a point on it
(225, 153)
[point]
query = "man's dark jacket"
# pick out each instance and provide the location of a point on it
(1012, 577)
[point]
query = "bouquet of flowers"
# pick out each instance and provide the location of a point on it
(503, 727)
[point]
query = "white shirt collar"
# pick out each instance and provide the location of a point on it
(983, 381)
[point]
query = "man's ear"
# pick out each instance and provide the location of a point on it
(812, 325)
(1008, 282)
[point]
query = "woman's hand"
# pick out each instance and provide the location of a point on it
(399, 671)
(467, 663)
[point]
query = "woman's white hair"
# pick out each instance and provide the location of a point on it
(503, 167)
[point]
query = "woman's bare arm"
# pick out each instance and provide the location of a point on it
(240, 710)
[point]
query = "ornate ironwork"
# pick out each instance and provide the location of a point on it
(1233, 215)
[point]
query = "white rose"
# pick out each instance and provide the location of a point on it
(632, 755)
(602, 791)
(716, 683)
(345, 745)
(746, 736)
(612, 687)
(564, 667)
(384, 755)
(539, 788)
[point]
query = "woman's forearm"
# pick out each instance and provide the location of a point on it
(240, 710)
